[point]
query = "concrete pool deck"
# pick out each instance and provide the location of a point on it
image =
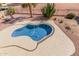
(57, 44)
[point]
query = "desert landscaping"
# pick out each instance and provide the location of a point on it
(69, 25)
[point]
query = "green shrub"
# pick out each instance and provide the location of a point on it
(48, 11)
(70, 16)
(10, 11)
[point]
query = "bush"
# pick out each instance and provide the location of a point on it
(61, 21)
(48, 11)
(10, 11)
(68, 28)
(70, 16)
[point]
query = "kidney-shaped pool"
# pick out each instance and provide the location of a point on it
(37, 32)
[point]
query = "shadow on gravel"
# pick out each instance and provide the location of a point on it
(77, 19)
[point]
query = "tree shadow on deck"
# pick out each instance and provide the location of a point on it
(12, 21)
(40, 18)
(29, 13)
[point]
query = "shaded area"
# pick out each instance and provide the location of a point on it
(29, 13)
(11, 21)
(77, 19)
(40, 18)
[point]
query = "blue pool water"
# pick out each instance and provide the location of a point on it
(36, 32)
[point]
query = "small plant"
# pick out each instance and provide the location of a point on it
(61, 21)
(49, 10)
(70, 16)
(11, 12)
(68, 28)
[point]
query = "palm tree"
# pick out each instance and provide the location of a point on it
(11, 12)
(30, 5)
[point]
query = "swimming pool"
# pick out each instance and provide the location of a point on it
(37, 32)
